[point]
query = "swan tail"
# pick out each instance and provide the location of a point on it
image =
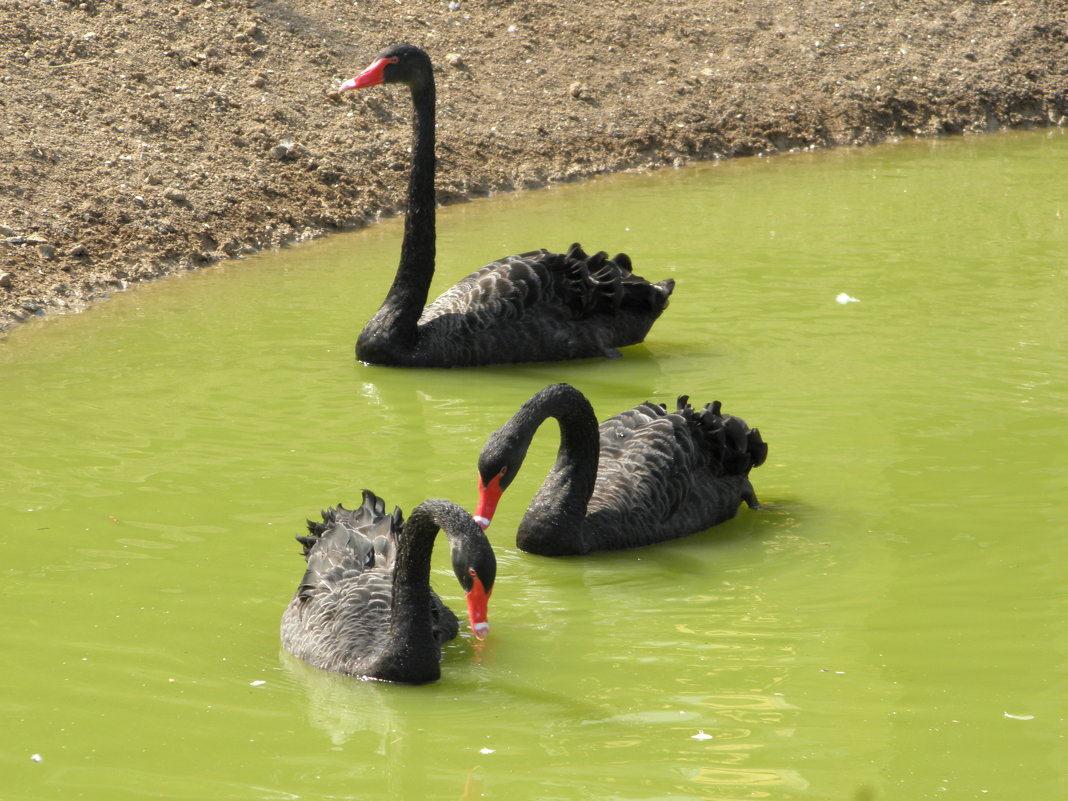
(352, 539)
(733, 448)
(599, 284)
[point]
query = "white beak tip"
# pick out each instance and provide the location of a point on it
(481, 630)
(483, 522)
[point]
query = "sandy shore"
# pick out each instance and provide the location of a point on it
(141, 139)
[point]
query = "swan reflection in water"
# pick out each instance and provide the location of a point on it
(396, 750)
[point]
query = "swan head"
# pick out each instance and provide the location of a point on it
(403, 63)
(475, 566)
(498, 465)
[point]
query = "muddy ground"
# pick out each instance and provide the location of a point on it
(142, 138)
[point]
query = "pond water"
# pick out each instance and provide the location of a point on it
(891, 625)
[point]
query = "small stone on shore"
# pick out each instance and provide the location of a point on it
(288, 151)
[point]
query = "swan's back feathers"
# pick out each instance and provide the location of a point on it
(642, 453)
(576, 284)
(663, 475)
(541, 306)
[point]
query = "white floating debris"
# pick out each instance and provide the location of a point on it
(257, 683)
(485, 750)
(701, 736)
(845, 298)
(1019, 717)
(37, 758)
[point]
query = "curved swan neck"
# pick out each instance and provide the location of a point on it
(566, 491)
(411, 652)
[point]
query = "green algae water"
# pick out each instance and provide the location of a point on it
(891, 625)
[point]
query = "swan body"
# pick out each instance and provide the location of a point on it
(536, 306)
(646, 475)
(365, 607)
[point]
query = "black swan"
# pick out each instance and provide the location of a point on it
(536, 306)
(365, 606)
(644, 476)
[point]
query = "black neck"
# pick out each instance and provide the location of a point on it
(410, 617)
(408, 295)
(562, 500)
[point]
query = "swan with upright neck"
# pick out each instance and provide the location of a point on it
(536, 306)
(365, 607)
(643, 476)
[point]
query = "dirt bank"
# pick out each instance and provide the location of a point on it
(139, 139)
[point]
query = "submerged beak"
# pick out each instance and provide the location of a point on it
(372, 76)
(477, 608)
(488, 497)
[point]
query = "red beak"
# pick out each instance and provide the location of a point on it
(477, 608)
(372, 76)
(488, 497)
